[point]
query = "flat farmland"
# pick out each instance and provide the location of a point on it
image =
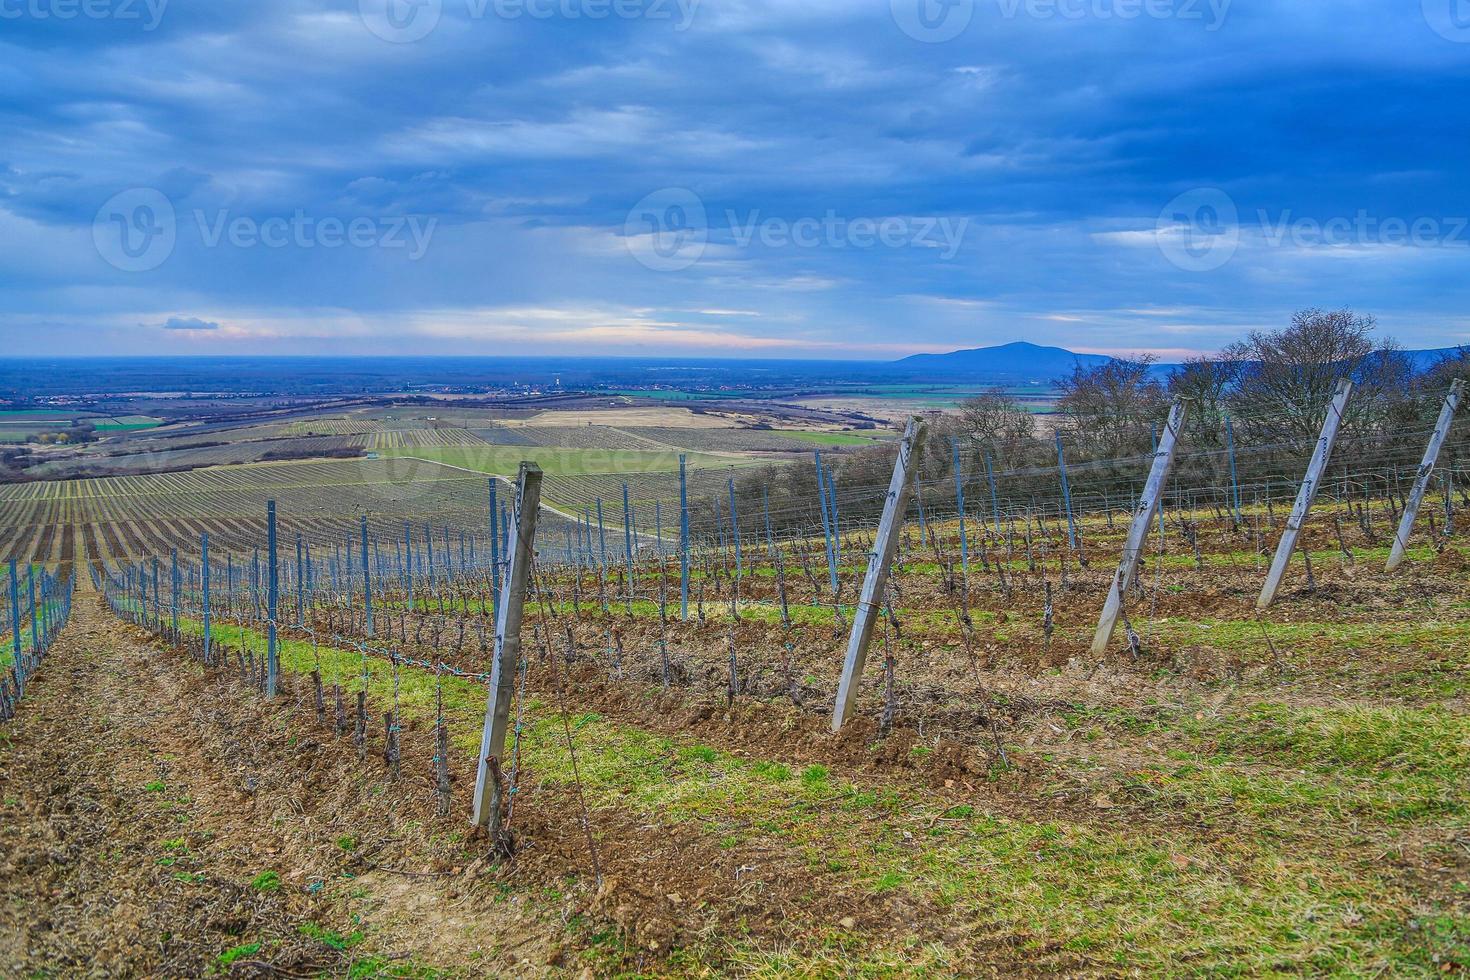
(125, 517)
(557, 461)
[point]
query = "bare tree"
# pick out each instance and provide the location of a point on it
(1110, 410)
(994, 420)
(1207, 382)
(1287, 376)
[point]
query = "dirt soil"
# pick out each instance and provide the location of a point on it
(153, 821)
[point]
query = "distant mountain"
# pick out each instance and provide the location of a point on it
(1020, 362)
(1017, 361)
(1423, 360)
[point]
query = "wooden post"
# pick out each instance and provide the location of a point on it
(1426, 470)
(884, 544)
(1307, 493)
(489, 794)
(1138, 530)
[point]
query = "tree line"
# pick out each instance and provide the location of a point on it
(1264, 396)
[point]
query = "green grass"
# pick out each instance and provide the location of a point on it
(238, 953)
(333, 939)
(1278, 765)
(1274, 895)
(266, 882)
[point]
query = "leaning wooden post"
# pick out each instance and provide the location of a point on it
(1138, 530)
(1426, 470)
(1307, 493)
(885, 542)
(489, 802)
(272, 658)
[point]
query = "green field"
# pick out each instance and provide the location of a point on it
(506, 460)
(127, 423)
(836, 438)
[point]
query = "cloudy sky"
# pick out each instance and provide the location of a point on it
(783, 178)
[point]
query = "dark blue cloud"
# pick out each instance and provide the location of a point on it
(189, 323)
(483, 177)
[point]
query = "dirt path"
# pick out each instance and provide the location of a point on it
(155, 824)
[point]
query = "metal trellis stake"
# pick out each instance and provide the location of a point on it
(826, 522)
(683, 541)
(1066, 495)
(204, 582)
(272, 657)
(367, 580)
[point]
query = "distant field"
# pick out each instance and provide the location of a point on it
(506, 460)
(335, 426)
(127, 423)
(666, 395)
(40, 415)
(414, 439)
(837, 438)
(661, 416)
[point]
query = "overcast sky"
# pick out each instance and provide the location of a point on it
(727, 177)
